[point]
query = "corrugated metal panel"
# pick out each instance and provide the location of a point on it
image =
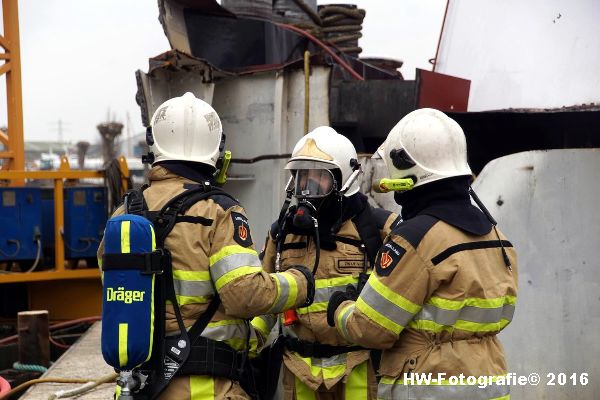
(262, 114)
(546, 203)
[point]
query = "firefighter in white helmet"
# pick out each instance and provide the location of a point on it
(445, 280)
(334, 231)
(212, 253)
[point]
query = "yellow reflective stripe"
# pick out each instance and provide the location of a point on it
(469, 326)
(478, 327)
(225, 322)
(342, 317)
(151, 309)
(202, 387)
(278, 296)
(377, 317)
(123, 345)
(235, 274)
(262, 325)
(293, 290)
(315, 307)
(339, 281)
(333, 371)
(125, 245)
(153, 238)
(357, 385)
(473, 302)
(507, 397)
(329, 372)
(392, 296)
(118, 391)
(185, 300)
(191, 275)
(152, 299)
(426, 325)
(303, 392)
(228, 251)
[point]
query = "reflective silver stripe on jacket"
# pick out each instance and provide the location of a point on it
(385, 307)
(284, 293)
(467, 313)
(224, 332)
(324, 294)
(231, 262)
(193, 288)
(400, 391)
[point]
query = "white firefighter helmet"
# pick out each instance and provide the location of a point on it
(187, 129)
(325, 149)
(427, 145)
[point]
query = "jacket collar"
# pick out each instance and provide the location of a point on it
(447, 200)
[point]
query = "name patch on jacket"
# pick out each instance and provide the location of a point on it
(351, 265)
(388, 257)
(241, 230)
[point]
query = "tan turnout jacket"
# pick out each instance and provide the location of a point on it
(212, 249)
(337, 268)
(435, 303)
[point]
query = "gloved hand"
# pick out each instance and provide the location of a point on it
(338, 298)
(310, 284)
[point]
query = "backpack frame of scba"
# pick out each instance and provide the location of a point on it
(137, 283)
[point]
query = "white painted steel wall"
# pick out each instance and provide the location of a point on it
(524, 53)
(546, 202)
(264, 114)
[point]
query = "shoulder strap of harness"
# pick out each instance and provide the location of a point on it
(173, 353)
(134, 201)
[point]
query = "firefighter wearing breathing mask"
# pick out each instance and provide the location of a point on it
(445, 281)
(335, 232)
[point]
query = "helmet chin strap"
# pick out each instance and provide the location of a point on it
(357, 170)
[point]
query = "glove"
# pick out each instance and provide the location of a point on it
(338, 298)
(310, 284)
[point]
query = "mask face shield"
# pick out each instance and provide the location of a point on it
(313, 183)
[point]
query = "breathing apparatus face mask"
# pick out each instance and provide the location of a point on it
(312, 186)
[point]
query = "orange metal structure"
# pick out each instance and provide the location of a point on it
(9, 41)
(65, 293)
(74, 293)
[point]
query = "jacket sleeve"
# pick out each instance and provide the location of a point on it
(263, 324)
(269, 254)
(100, 252)
(246, 290)
(393, 295)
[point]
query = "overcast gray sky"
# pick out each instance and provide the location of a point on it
(79, 57)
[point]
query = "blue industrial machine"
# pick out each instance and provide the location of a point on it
(85, 209)
(85, 219)
(20, 223)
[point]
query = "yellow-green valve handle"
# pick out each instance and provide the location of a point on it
(222, 176)
(391, 185)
